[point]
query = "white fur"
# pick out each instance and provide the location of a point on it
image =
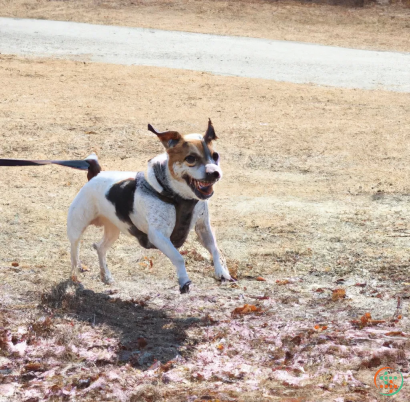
(194, 136)
(196, 172)
(180, 186)
(92, 156)
(151, 215)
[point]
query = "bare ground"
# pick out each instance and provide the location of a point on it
(314, 198)
(371, 27)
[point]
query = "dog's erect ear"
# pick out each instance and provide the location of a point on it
(210, 133)
(168, 138)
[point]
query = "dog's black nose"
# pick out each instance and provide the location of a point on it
(215, 175)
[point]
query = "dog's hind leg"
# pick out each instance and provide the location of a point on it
(75, 261)
(80, 216)
(111, 234)
(75, 232)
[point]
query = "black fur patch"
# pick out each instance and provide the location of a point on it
(121, 195)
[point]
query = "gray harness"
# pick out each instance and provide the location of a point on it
(122, 194)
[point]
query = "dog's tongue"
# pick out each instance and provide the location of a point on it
(205, 189)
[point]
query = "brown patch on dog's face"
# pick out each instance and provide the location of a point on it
(193, 161)
(187, 148)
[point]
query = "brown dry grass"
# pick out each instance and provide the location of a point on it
(372, 27)
(315, 189)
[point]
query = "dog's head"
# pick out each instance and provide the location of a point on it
(192, 162)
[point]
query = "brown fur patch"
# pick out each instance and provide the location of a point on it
(169, 135)
(165, 136)
(179, 152)
(99, 221)
(93, 169)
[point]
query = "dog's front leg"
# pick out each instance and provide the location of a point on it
(164, 244)
(207, 238)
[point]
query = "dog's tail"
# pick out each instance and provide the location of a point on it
(90, 163)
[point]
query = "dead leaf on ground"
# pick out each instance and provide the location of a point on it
(34, 367)
(246, 309)
(338, 294)
(395, 333)
(260, 279)
(282, 282)
(167, 366)
(292, 400)
(366, 320)
(197, 377)
(43, 325)
(110, 291)
(208, 319)
(84, 268)
(155, 365)
(15, 264)
(258, 297)
(233, 269)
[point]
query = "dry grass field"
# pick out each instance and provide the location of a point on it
(371, 27)
(315, 198)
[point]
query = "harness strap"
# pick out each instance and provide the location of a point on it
(183, 208)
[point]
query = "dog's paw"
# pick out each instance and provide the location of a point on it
(107, 280)
(223, 276)
(185, 287)
(230, 279)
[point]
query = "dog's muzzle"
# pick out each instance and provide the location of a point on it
(202, 188)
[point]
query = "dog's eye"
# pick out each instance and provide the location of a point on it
(191, 159)
(215, 156)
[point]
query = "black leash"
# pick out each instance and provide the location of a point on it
(91, 165)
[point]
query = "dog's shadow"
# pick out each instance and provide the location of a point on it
(145, 335)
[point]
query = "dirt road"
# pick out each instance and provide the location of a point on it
(222, 55)
(372, 27)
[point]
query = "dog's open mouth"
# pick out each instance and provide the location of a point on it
(202, 189)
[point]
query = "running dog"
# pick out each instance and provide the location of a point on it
(158, 207)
